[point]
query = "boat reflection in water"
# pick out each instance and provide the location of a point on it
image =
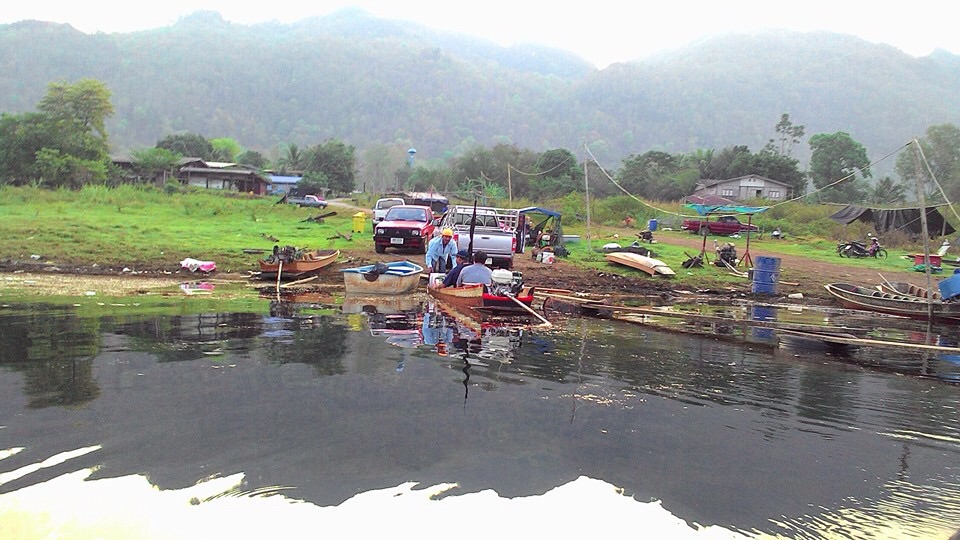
(451, 334)
(410, 323)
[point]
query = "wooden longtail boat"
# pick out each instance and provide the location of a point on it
(640, 262)
(308, 263)
(867, 299)
(471, 300)
(396, 277)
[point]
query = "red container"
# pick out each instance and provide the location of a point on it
(935, 260)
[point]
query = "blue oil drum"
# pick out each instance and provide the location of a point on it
(763, 313)
(652, 225)
(766, 274)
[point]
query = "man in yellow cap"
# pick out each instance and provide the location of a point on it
(441, 251)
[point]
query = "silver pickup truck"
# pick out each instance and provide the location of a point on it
(310, 201)
(495, 231)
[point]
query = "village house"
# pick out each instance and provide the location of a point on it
(743, 188)
(228, 176)
(206, 174)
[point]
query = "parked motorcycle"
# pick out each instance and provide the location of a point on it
(859, 250)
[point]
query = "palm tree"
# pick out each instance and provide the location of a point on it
(293, 159)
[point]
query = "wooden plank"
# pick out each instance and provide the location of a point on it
(556, 291)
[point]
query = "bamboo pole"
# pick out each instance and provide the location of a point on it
(532, 312)
(279, 273)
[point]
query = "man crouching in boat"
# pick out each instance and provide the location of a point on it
(476, 272)
(450, 280)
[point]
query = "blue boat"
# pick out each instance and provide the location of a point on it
(395, 277)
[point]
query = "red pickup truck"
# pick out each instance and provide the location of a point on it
(404, 226)
(723, 225)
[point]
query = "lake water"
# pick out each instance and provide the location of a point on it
(247, 418)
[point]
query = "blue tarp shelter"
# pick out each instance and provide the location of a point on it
(530, 230)
(537, 209)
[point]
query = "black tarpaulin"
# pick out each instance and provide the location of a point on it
(901, 219)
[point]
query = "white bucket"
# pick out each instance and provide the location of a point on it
(547, 257)
(435, 279)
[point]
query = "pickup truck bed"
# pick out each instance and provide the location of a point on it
(494, 232)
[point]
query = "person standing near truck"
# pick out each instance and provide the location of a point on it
(441, 252)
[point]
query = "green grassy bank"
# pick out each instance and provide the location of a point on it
(144, 228)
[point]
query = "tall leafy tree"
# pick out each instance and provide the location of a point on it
(78, 112)
(336, 161)
(649, 174)
(837, 156)
(476, 162)
(423, 178)
(188, 145)
(64, 143)
(252, 158)
(780, 167)
(729, 162)
(941, 148)
(700, 159)
(21, 137)
(313, 183)
(225, 149)
(58, 169)
(788, 136)
(557, 174)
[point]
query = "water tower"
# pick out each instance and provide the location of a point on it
(410, 153)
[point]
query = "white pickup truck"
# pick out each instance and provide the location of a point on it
(495, 231)
(380, 209)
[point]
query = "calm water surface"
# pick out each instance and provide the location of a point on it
(335, 417)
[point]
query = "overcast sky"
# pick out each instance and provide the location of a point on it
(600, 31)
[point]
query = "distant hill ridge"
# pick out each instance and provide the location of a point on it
(370, 81)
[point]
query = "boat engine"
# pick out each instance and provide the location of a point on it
(505, 282)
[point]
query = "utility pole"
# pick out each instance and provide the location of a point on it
(921, 199)
(586, 189)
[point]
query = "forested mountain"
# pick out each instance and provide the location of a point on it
(368, 81)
